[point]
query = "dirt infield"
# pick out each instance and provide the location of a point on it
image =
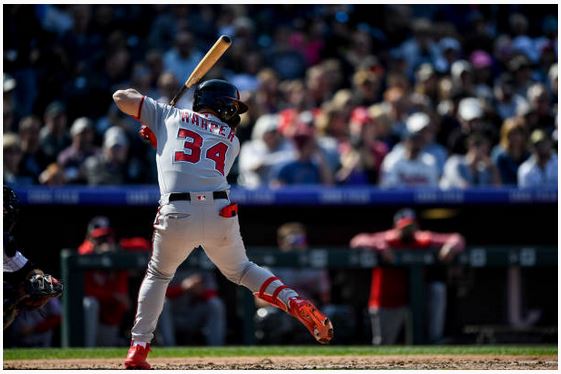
(437, 362)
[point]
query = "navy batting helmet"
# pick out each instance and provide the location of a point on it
(221, 97)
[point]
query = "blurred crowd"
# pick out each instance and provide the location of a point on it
(388, 95)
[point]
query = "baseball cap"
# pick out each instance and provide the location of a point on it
(449, 43)
(470, 109)
(115, 136)
(403, 218)
(417, 122)
(523, 44)
(537, 136)
(79, 125)
(459, 67)
(481, 59)
(264, 124)
(424, 72)
(9, 83)
(55, 108)
(99, 226)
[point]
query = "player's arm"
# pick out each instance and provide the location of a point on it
(129, 101)
(450, 245)
(376, 241)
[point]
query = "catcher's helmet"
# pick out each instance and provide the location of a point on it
(221, 97)
(11, 208)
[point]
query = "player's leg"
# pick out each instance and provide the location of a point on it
(173, 241)
(227, 252)
(437, 311)
(214, 328)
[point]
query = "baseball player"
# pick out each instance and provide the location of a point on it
(25, 286)
(195, 151)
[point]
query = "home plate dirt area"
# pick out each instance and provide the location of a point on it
(377, 362)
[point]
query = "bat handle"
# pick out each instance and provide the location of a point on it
(178, 95)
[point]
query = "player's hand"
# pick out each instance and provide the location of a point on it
(148, 136)
(193, 283)
(446, 254)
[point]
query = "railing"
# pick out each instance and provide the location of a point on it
(74, 265)
(142, 195)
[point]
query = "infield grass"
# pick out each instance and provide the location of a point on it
(236, 351)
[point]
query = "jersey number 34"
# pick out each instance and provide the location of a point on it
(193, 143)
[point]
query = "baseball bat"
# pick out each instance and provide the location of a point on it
(207, 62)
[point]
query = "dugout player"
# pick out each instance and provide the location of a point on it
(195, 151)
(388, 301)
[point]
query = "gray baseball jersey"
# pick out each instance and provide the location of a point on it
(195, 151)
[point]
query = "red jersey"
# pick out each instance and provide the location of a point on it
(389, 285)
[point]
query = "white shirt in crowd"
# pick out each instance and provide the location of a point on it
(531, 175)
(402, 172)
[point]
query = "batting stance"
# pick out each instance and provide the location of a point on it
(195, 152)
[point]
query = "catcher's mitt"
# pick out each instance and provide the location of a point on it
(31, 293)
(39, 288)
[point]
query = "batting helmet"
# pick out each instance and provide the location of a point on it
(11, 208)
(221, 97)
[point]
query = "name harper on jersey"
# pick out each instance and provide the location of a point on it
(196, 119)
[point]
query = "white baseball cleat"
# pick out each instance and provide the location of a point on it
(315, 321)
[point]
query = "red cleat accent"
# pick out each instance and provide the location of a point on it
(315, 321)
(136, 357)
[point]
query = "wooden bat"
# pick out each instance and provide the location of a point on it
(208, 61)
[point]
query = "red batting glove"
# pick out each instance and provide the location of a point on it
(147, 134)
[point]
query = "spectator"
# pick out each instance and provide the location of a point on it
(410, 167)
(471, 119)
(462, 78)
(512, 150)
(309, 166)
(167, 87)
(474, 169)
(362, 162)
(33, 160)
(182, 59)
(540, 114)
(420, 122)
(106, 292)
(53, 137)
(421, 47)
(427, 83)
(450, 52)
(36, 328)
(507, 103)
(482, 74)
(12, 159)
(196, 309)
(540, 170)
(72, 158)
(110, 166)
(266, 149)
(521, 69)
(388, 303)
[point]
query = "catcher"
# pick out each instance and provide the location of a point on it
(25, 286)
